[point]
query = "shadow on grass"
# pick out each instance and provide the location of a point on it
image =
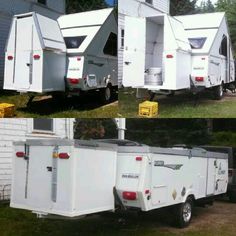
(49, 105)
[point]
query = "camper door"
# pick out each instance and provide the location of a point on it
(24, 47)
(134, 52)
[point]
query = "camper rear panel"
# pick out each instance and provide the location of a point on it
(35, 56)
(68, 179)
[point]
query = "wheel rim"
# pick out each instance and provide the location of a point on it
(107, 94)
(187, 212)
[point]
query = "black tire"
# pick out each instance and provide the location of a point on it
(184, 213)
(106, 94)
(219, 92)
(232, 197)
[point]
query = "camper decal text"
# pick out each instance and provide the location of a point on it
(130, 176)
(170, 166)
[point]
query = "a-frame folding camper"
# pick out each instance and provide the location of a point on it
(35, 55)
(212, 57)
(91, 40)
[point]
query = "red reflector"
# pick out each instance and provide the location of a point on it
(230, 173)
(64, 156)
(139, 158)
(36, 57)
(169, 56)
(20, 154)
(147, 191)
(78, 59)
(199, 79)
(129, 195)
(10, 58)
(74, 81)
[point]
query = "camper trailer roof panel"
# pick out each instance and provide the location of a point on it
(195, 152)
(209, 34)
(84, 19)
(51, 33)
(88, 32)
(48, 31)
(202, 21)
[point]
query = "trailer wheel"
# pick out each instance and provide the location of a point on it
(184, 213)
(232, 197)
(106, 94)
(218, 92)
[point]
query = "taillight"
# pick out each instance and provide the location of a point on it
(64, 156)
(147, 191)
(230, 173)
(199, 79)
(20, 154)
(10, 58)
(78, 58)
(129, 196)
(74, 81)
(169, 56)
(139, 158)
(36, 57)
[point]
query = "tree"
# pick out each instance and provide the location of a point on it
(229, 7)
(95, 129)
(73, 6)
(206, 7)
(182, 7)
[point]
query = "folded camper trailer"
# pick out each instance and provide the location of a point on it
(35, 58)
(91, 40)
(63, 178)
(72, 178)
(157, 54)
(173, 53)
(149, 178)
(212, 57)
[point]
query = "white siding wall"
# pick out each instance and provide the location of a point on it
(8, 8)
(19, 130)
(138, 8)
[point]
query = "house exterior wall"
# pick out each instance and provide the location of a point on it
(19, 130)
(137, 8)
(9, 8)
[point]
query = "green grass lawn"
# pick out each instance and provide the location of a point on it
(88, 106)
(213, 221)
(181, 105)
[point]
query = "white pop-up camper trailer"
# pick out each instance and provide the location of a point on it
(68, 178)
(63, 177)
(174, 53)
(212, 57)
(157, 54)
(35, 58)
(91, 40)
(149, 178)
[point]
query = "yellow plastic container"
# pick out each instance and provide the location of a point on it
(7, 110)
(148, 109)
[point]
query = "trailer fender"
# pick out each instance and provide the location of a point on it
(188, 193)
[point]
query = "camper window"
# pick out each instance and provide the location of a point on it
(223, 46)
(74, 42)
(43, 125)
(111, 45)
(197, 43)
(44, 2)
